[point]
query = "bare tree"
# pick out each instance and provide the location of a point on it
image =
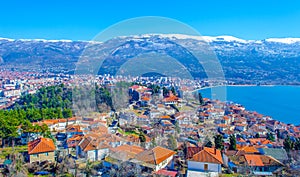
(17, 168)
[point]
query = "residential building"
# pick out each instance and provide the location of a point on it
(41, 149)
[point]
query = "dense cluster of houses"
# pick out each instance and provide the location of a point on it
(142, 135)
(15, 84)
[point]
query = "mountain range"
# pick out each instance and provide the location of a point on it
(269, 61)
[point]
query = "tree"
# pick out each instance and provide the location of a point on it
(172, 142)
(232, 141)
(209, 144)
(177, 127)
(153, 143)
(89, 170)
(297, 144)
(277, 133)
(219, 141)
(67, 113)
(165, 91)
(270, 137)
(8, 130)
(142, 138)
(155, 88)
(288, 144)
(173, 90)
(17, 167)
(59, 113)
(256, 135)
(201, 102)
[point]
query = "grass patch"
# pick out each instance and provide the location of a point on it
(231, 175)
(131, 133)
(4, 152)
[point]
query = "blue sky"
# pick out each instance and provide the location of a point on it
(82, 20)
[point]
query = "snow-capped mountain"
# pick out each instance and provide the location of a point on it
(274, 59)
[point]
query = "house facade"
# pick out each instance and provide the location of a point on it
(41, 149)
(207, 160)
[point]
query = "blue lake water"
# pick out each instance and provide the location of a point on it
(280, 102)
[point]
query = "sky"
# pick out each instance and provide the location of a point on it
(84, 19)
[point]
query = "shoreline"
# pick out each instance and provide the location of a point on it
(278, 117)
(246, 85)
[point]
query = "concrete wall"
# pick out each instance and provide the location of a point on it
(199, 166)
(163, 164)
(42, 157)
(96, 155)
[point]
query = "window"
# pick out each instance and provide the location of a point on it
(205, 166)
(46, 154)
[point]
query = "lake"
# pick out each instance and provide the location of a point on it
(280, 102)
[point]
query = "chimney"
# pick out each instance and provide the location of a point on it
(215, 150)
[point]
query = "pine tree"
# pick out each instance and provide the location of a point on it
(232, 141)
(288, 144)
(219, 142)
(201, 102)
(270, 137)
(209, 144)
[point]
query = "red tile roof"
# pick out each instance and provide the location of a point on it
(191, 151)
(155, 156)
(166, 173)
(129, 151)
(210, 155)
(171, 98)
(253, 160)
(248, 149)
(41, 145)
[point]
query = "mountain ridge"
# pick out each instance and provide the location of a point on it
(287, 40)
(273, 60)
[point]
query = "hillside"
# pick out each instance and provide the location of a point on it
(274, 61)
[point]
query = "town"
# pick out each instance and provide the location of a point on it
(162, 128)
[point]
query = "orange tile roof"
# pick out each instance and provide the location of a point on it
(41, 145)
(143, 116)
(256, 140)
(241, 125)
(128, 148)
(160, 106)
(165, 117)
(72, 119)
(125, 152)
(191, 151)
(62, 120)
(97, 141)
(210, 155)
(101, 129)
(76, 138)
(145, 98)
(241, 140)
(73, 128)
(266, 142)
(171, 97)
(226, 118)
(222, 125)
(253, 160)
(155, 156)
(50, 121)
(248, 149)
(163, 172)
(90, 143)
